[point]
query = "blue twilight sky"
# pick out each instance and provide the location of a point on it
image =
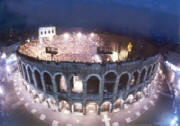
(156, 19)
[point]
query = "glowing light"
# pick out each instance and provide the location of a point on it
(132, 80)
(97, 58)
(66, 36)
(174, 121)
(172, 76)
(173, 67)
(92, 34)
(78, 86)
(63, 83)
(130, 47)
(11, 58)
(28, 40)
(1, 90)
(3, 56)
(79, 35)
(123, 55)
(114, 56)
(91, 107)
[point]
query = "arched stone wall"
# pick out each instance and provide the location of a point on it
(60, 82)
(143, 75)
(48, 81)
(93, 82)
(110, 78)
(38, 79)
(30, 75)
(124, 79)
(25, 72)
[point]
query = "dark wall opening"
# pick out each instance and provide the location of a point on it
(123, 81)
(38, 79)
(93, 85)
(109, 82)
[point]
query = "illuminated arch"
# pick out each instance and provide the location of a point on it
(134, 79)
(78, 107)
(64, 106)
(106, 106)
(76, 84)
(60, 82)
(118, 104)
(92, 107)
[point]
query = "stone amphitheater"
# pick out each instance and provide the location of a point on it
(78, 78)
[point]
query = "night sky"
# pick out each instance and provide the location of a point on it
(156, 19)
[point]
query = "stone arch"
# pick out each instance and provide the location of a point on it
(53, 104)
(148, 73)
(93, 84)
(138, 95)
(123, 81)
(142, 77)
(134, 79)
(106, 106)
(153, 69)
(48, 81)
(77, 107)
(31, 80)
(92, 107)
(38, 79)
(109, 82)
(130, 98)
(60, 82)
(76, 84)
(118, 104)
(42, 98)
(25, 73)
(64, 106)
(34, 94)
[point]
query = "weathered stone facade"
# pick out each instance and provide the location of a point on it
(36, 72)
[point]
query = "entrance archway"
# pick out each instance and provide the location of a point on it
(92, 108)
(78, 107)
(106, 107)
(64, 107)
(118, 104)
